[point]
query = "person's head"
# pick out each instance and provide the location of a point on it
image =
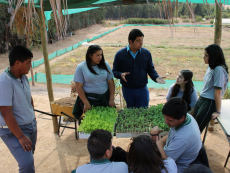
(198, 168)
(135, 39)
(214, 56)
(119, 155)
(94, 56)
(143, 156)
(175, 111)
(20, 57)
(100, 144)
(184, 79)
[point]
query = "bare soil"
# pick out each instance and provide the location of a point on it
(65, 153)
(67, 101)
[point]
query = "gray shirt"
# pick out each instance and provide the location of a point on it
(183, 143)
(214, 79)
(93, 83)
(16, 92)
(193, 96)
(103, 166)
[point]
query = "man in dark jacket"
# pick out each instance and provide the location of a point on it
(131, 65)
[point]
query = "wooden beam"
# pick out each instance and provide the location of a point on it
(218, 24)
(47, 65)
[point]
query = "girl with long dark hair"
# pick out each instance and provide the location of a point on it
(144, 157)
(184, 88)
(215, 84)
(94, 82)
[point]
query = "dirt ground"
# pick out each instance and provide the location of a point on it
(65, 153)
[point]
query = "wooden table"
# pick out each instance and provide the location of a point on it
(224, 121)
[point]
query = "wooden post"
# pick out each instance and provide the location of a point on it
(218, 24)
(47, 65)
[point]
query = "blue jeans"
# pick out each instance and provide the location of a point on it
(25, 159)
(136, 97)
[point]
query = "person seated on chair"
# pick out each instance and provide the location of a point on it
(183, 142)
(100, 148)
(198, 168)
(184, 88)
(94, 82)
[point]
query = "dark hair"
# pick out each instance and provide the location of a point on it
(144, 157)
(216, 57)
(134, 33)
(91, 50)
(175, 107)
(187, 74)
(98, 142)
(119, 155)
(19, 53)
(198, 168)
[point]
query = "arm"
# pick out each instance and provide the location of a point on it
(32, 102)
(81, 93)
(116, 67)
(218, 103)
(151, 69)
(160, 146)
(175, 148)
(191, 112)
(193, 100)
(13, 126)
(111, 92)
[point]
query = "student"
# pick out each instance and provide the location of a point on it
(183, 141)
(184, 88)
(132, 65)
(94, 82)
(100, 148)
(144, 157)
(18, 127)
(215, 84)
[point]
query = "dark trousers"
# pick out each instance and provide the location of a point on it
(136, 98)
(203, 112)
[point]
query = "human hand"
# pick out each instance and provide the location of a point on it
(87, 107)
(154, 132)
(160, 80)
(111, 103)
(123, 76)
(25, 143)
(160, 146)
(215, 115)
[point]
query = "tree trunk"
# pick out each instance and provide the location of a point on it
(47, 65)
(218, 24)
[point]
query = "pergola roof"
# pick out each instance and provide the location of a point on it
(99, 3)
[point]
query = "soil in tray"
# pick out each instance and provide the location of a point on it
(67, 101)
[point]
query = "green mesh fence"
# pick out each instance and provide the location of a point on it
(66, 79)
(68, 49)
(169, 25)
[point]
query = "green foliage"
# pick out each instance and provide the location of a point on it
(211, 21)
(227, 94)
(118, 92)
(186, 20)
(99, 118)
(176, 21)
(225, 15)
(199, 18)
(145, 21)
(140, 119)
(184, 17)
